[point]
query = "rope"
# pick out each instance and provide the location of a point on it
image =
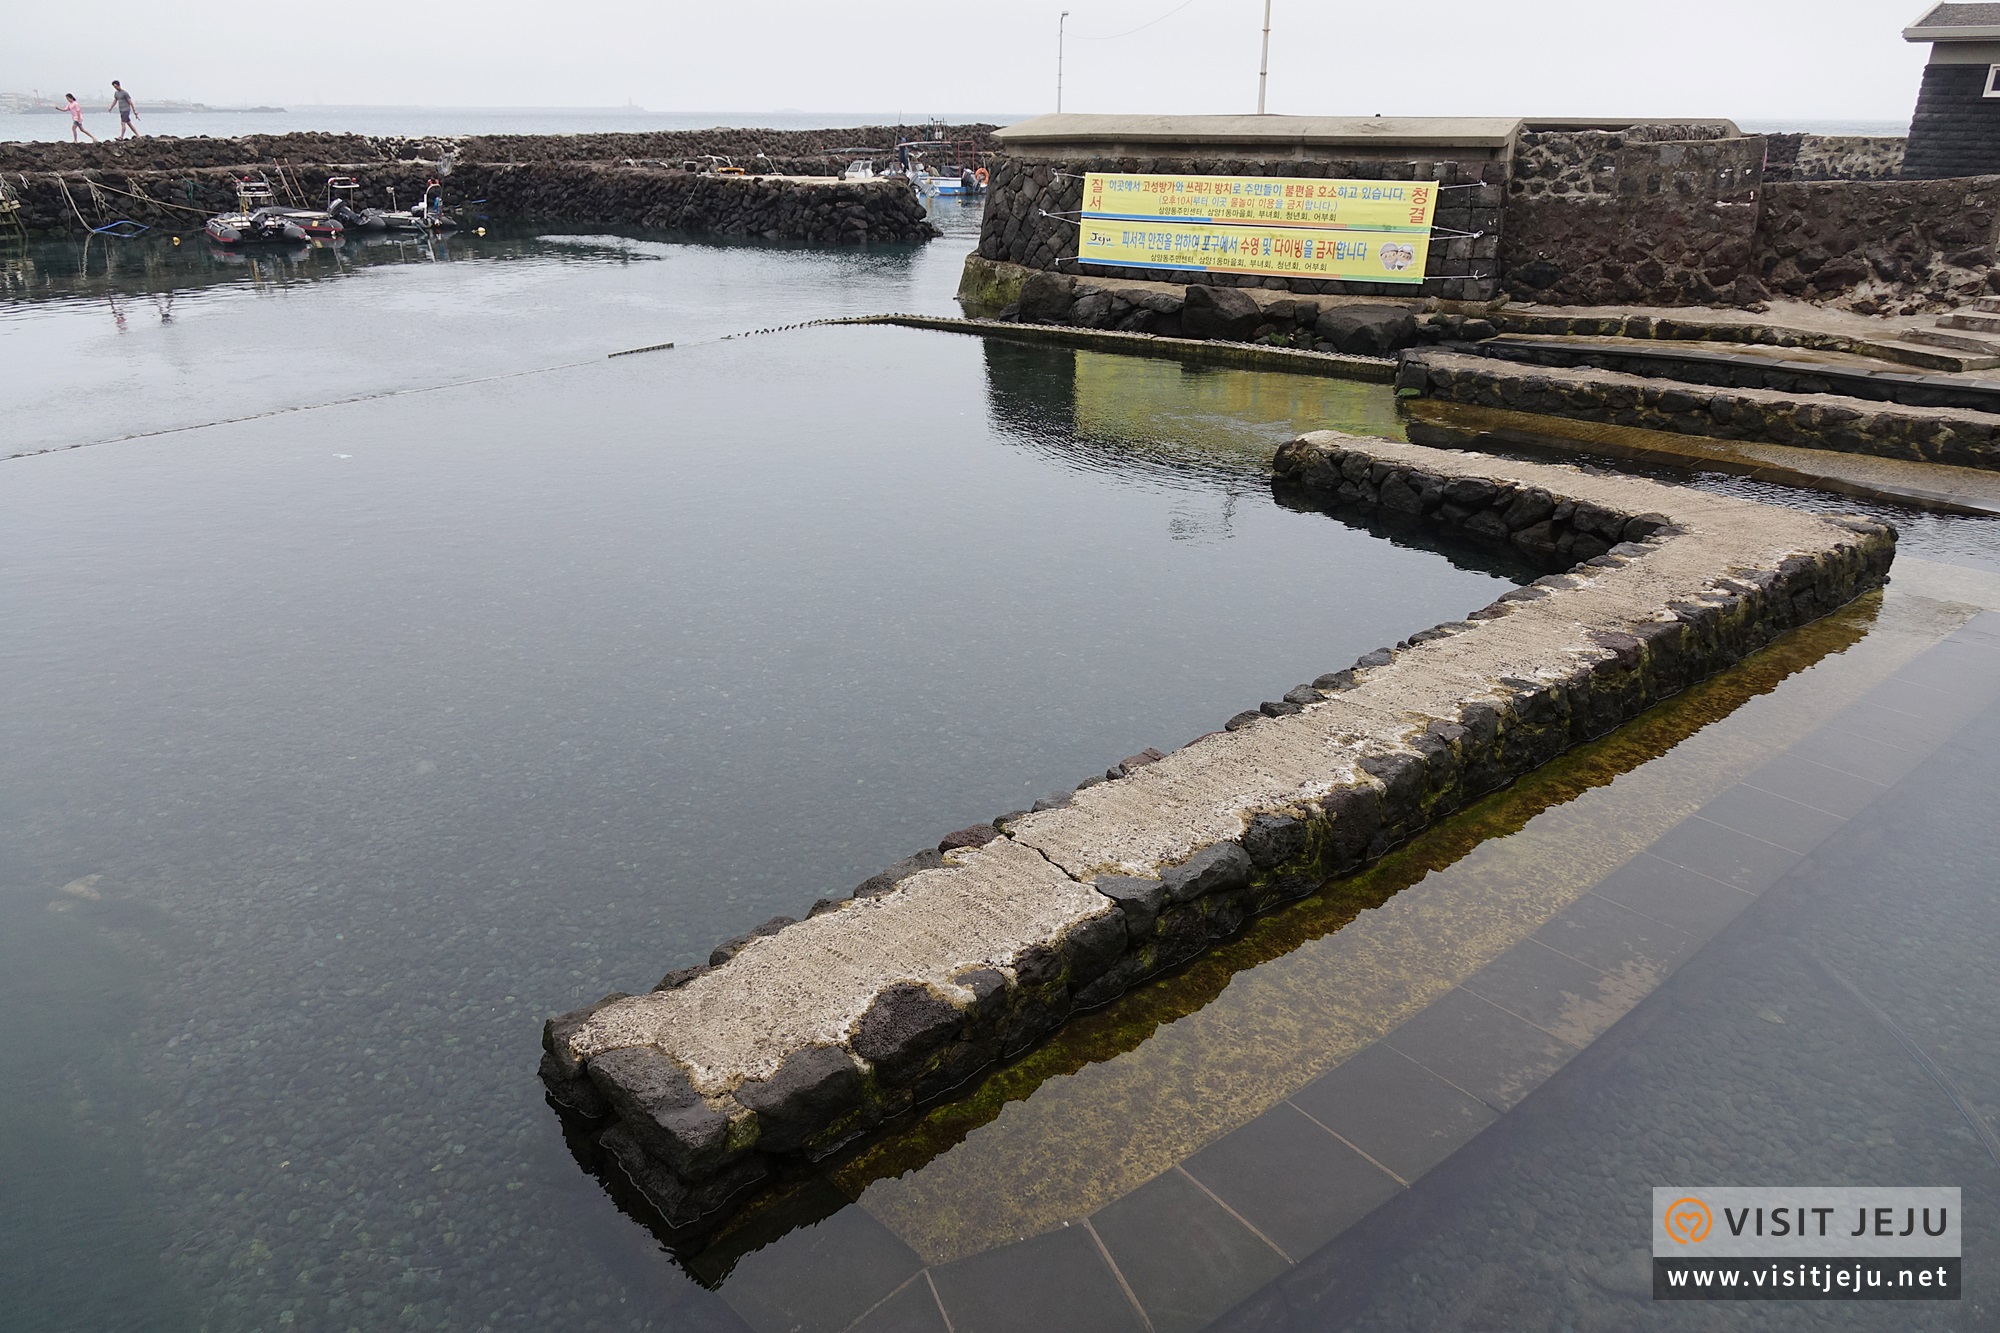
(71, 200)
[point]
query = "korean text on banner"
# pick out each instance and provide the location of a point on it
(1375, 231)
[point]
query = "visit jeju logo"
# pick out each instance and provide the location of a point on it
(1688, 1220)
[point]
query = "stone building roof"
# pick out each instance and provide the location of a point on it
(1956, 23)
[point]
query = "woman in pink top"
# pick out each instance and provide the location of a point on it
(76, 120)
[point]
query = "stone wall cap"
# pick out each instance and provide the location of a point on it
(1435, 132)
(1956, 23)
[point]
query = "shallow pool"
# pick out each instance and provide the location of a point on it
(342, 745)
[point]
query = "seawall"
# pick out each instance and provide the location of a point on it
(822, 211)
(803, 1035)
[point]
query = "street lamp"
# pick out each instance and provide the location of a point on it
(1263, 65)
(1061, 23)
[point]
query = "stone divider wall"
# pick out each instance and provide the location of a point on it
(802, 1035)
(1032, 205)
(1957, 436)
(827, 212)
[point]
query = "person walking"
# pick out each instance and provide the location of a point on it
(75, 109)
(121, 102)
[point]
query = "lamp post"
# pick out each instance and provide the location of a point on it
(1061, 24)
(1264, 64)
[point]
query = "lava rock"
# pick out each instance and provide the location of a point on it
(1228, 313)
(661, 1109)
(1139, 899)
(1272, 840)
(1093, 945)
(905, 1024)
(809, 1090)
(1363, 330)
(1214, 869)
(976, 835)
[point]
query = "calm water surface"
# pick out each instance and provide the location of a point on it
(340, 746)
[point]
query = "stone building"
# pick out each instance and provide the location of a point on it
(1956, 129)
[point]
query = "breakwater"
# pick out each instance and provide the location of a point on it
(789, 190)
(817, 211)
(757, 151)
(802, 1035)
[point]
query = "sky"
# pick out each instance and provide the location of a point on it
(1744, 59)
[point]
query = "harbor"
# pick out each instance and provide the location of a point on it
(1101, 721)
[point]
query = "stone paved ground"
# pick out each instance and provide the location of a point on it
(1753, 1064)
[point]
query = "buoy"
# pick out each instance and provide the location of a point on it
(177, 240)
(479, 231)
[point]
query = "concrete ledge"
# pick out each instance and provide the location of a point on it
(805, 1035)
(1195, 351)
(1725, 369)
(1958, 436)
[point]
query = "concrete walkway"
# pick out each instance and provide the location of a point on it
(1161, 1186)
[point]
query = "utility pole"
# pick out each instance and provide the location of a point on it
(1061, 23)
(1264, 65)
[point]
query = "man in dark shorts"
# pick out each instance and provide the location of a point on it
(121, 102)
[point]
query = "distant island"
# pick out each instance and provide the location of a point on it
(34, 104)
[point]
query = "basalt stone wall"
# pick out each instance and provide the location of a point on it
(1880, 247)
(1598, 218)
(1959, 436)
(1956, 128)
(1833, 157)
(690, 1136)
(1031, 210)
(796, 150)
(828, 213)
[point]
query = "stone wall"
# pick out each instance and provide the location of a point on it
(796, 152)
(800, 1036)
(1833, 157)
(1596, 218)
(828, 212)
(1959, 436)
(1031, 209)
(1880, 247)
(1956, 130)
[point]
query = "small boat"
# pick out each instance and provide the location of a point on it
(256, 220)
(315, 222)
(428, 216)
(958, 175)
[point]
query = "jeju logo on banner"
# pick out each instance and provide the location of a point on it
(1845, 1243)
(1362, 231)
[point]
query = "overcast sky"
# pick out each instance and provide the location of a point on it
(1747, 59)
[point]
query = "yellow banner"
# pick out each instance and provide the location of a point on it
(1288, 201)
(1362, 231)
(1305, 252)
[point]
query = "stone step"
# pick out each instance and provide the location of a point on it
(1988, 305)
(1929, 358)
(1975, 323)
(1958, 342)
